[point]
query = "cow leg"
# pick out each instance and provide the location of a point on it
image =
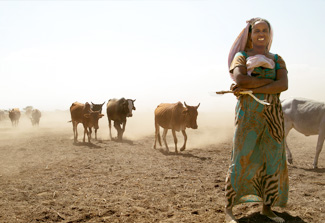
(75, 131)
(110, 128)
(175, 140)
(118, 129)
(289, 155)
(287, 127)
(89, 135)
(96, 134)
(76, 126)
(185, 140)
(319, 146)
(123, 128)
(164, 139)
(86, 132)
(157, 135)
(90, 131)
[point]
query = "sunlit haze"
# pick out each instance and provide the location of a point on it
(53, 53)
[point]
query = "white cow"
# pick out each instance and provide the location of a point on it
(307, 117)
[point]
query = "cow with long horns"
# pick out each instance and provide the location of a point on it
(82, 113)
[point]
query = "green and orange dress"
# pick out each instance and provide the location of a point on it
(258, 170)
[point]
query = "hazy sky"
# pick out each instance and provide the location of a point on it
(53, 53)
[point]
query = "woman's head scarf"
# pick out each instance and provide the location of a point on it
(242, 42)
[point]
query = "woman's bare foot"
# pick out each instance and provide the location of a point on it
(270, 214)
(230, 218)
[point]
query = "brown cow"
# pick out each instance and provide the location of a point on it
(14, 115)
(118, 110)
(177, 118)
(35, 117)
(81, 113)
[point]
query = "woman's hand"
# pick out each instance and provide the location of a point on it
(261, 85)
(237, 90)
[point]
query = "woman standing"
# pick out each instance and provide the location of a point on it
(258, 170)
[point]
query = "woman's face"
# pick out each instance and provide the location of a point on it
(260, 34)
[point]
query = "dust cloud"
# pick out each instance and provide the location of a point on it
(214, 128)
(19, 145)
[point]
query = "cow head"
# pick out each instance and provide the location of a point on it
(191, 114)
(14, 113)
(93, 118)
(97, 107)
(130, 104)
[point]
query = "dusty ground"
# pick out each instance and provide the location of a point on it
(44, 177)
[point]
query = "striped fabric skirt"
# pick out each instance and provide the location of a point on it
(258, 170)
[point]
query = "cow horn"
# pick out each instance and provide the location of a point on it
(198, 106)
(185, 104)
(134, 100)
(103, 103)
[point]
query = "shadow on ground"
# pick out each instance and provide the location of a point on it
(258, 218)
(189, 155)
(88, 144)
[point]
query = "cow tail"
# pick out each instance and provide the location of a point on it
(157, 132)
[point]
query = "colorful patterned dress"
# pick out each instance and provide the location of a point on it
(258, 170)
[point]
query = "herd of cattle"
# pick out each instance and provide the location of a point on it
(14, 115)
(304, 115)
(168, 116)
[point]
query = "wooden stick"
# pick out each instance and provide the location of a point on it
(250, 93)
(223, 92)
